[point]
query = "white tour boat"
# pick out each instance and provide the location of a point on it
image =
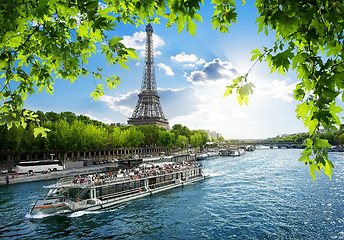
(98, 191)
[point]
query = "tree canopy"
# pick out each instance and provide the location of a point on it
(43, 40)
(79, 133)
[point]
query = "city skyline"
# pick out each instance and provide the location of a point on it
(191, 74)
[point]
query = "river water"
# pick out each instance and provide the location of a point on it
(265, 194)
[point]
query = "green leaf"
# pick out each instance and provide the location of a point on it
(255, 54)
(122, 62)
(114, 41)
(191, 26)
(40, 130)
(228, 91)
(321, 143)
(246, 89)
(98, 92)
(242, 99)
(238, 79)
(305, 155)
(131, 53)
(312, 168)
(328, 168)
(82, 30)
(282, 60)
(8, 120)
(302, 110)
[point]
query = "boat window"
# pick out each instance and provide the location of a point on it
(104, 191)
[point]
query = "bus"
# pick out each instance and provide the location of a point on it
(38, 166)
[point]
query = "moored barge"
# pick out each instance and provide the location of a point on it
(98, 191)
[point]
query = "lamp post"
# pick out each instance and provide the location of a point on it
(184, 144)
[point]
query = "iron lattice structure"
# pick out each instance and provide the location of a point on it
(148, 110)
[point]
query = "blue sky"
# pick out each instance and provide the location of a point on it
(191, 75)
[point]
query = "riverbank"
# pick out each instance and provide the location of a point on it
(9, 179)
(22, 178)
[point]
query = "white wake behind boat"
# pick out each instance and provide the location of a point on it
(99, 191)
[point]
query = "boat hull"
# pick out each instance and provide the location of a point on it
(48, 206)
(67, 207)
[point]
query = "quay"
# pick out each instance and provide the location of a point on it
(13, 178)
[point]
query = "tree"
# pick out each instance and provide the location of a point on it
(204, 136)
(68, 116)
(151, 133)
(41, 41)
(166, 139)
(52, 117)
(134, 137)
(182, 141)
(196, 139)
(179, 129)
(340, 139)
(116, 138)
(309, 37)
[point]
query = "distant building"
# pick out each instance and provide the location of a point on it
(118, 124)
(213, 134)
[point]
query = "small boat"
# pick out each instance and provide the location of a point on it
(233, 153)
(223, 152)
(99, 191)
(202, 156)
(242, 151)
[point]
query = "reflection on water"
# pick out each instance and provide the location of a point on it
(266, 194)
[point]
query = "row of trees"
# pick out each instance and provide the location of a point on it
(69, 132)
(333, 138)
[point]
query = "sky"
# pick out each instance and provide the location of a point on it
(191, 74)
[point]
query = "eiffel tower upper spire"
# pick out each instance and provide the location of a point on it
(149, 81)
(148, 110)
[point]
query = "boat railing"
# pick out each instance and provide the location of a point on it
(85, 182)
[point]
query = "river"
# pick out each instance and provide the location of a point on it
(265, 194)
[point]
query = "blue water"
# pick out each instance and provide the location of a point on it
(266, 194)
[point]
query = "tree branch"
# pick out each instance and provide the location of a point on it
(28, 38)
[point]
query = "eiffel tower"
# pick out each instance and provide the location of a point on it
(148, 110)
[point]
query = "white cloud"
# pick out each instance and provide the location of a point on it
(190, 60)
(138, 64)
(183, 57)
(192, 106)
(201, 61)
(277, 89)
(103, 120)
(189, 65)
(214, 71)
(123, 103)
(138, 41)
(168, 70)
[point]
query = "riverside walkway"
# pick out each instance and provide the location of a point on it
(15, 178)
(22, 178)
